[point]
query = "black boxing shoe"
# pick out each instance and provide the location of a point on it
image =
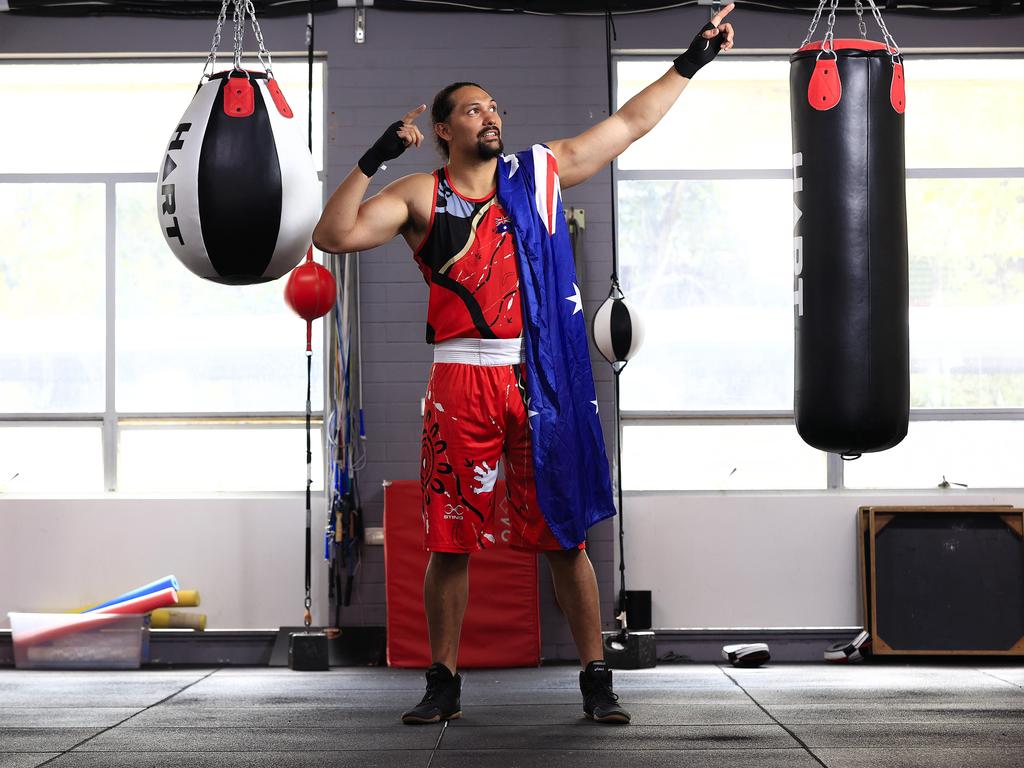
(442, 701)
(599, 702)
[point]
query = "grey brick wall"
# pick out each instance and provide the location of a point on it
(548, 77)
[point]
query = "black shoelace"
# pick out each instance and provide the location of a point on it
(434, 688)
(603, 693)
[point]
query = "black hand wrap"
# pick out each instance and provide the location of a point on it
(701, 51)
(389, 146)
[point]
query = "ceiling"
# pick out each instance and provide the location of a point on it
(210, 8)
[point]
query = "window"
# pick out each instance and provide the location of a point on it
(52, 304)
(120, 369)
(704, 240)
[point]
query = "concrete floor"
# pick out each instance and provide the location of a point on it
(683, 715)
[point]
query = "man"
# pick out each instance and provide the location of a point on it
(510, 358)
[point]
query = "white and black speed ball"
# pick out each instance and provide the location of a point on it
(617, 329)
(238, 194)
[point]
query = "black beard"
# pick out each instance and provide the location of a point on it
(487, 151)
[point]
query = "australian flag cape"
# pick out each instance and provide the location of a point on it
(573, 483)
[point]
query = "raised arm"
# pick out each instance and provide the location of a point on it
(582, 156)
(348, 223)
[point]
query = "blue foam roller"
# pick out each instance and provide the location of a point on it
(156, 586)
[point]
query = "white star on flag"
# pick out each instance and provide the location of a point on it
(513, 163)
(576, 299)
(530, 414)
(594, 403)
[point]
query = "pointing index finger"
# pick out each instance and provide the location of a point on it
(717, 18)
(412, 114)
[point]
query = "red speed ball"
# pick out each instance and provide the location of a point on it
(310, 290)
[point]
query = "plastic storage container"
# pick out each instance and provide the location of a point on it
(76, 640)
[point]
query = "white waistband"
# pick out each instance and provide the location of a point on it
(480, 351)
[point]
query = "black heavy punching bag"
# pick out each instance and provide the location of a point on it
(852, 378)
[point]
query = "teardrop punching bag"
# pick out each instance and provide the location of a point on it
(238, 195)
(852, 379)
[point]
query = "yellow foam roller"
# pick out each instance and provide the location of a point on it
(188, 598)
(165, 618)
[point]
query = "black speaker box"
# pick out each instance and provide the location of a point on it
(943, 580)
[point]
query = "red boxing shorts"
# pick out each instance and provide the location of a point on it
(474, 416)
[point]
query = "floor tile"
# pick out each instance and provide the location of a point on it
(60, 717)
(582, 734)
(913, 735)
(733, 758)
(43, 739)
(255, 738)
(692, 713)
(929, 711)
(268, 717)
(210, 759)
(24, 759)
(921, 758)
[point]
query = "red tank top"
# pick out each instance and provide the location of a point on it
(468, 259)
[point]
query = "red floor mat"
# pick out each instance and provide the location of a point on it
(502, 624)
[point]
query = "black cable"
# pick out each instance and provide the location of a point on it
(309, 43)
(309, 483)
(309, 352)
(618, 486)
(609, 36)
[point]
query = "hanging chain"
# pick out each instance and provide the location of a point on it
(211, 60)
(242, 8)
(814, 23)
(860, 20)
(829, 43)
(890, 41)
(239, 21)
(268, 64)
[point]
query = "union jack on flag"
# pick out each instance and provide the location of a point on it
(549, 193)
